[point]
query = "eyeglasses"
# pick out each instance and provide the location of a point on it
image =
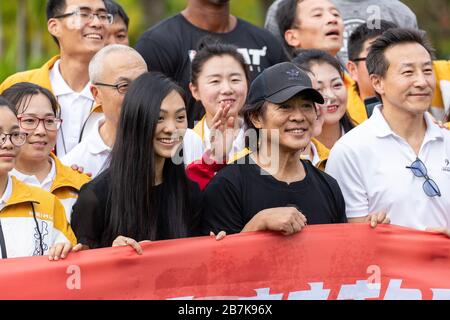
(430, 187)
(32, 122)
(87, 16)
(359, 59)
(16, 138)
(122, 88)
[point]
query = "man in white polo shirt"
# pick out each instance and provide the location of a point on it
(111, 71)
(398, 160)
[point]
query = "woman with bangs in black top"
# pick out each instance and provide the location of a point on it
(144, 194)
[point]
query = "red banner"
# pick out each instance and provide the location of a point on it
(349, 261)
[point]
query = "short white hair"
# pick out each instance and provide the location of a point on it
(96, 64)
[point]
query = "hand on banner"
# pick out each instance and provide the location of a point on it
(61, 250)
(373, 218)
(122, 241)
(80, 170)
(287, 220)
(376, 218)
(443, 231)
(221, 235)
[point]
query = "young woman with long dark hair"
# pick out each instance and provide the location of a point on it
(144, 195)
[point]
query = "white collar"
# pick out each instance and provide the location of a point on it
(46, 184)
(316, 159)
(60, 86)
(383, 129)
(95, 141)
(7, 194)
(315, 155)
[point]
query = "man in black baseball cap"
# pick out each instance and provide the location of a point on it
(282, 98)
(271, 187)
(281, 82)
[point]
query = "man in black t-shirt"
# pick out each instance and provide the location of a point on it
(272, 189)
(170, 46)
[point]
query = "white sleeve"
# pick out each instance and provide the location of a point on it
(192, 147)
(68, 158)
(445, 90)
(343, 165)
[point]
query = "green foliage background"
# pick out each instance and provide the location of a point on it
(37, 46)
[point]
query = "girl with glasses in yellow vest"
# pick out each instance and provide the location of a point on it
(32, 221)
(38, 115)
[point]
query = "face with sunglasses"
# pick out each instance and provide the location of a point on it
(11, 138)
(37, 119)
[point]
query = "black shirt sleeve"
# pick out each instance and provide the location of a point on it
(337, 199)
(222, 207)
(340, 203)
(195, 202)
(279, 55)
(87, 219)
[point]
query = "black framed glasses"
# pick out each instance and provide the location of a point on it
(419, 169)
(359, 59)
(122, 87)
(27, 122)
(87, 16)
(16, 138)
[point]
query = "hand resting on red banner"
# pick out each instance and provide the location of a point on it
(444, 231)
(122, 241)
(287, 220)
(125, 241)
(61, 250)
(373, 218)
(219, 236)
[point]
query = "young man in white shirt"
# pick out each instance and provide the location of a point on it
(398, 160)
(79, 28)
(111, 71)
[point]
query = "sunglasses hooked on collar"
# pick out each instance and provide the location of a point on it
(419, 169)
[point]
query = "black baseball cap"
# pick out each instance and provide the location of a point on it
(281, 82)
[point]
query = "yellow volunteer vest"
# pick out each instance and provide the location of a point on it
(46, 204)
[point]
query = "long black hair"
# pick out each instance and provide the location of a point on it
(135, 211)
(305, 59)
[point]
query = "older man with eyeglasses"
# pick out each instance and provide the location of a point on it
(397, 161)
(111, 71)
(79, 29)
